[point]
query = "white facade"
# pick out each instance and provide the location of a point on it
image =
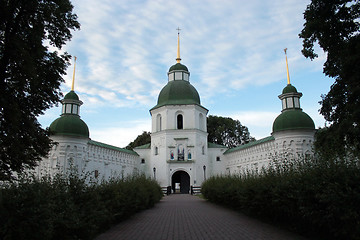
(179, 154)
(292, 144)
(87, 157)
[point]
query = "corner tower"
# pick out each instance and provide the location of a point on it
(293, 129)
(179, 134)
(70, 133)
(69, 123)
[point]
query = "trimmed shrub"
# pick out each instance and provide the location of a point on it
(316, 198)
(69, 208)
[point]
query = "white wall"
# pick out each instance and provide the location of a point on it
(88, 159)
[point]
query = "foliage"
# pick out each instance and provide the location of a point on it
(142, 139)
(227, 131)
(335, 26)
(69, 208)
(30, 76)
(316, 198)
(223, 131)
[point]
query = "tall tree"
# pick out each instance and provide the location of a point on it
(30, 76)
(334, 25)
(227, 131)
(141, 139)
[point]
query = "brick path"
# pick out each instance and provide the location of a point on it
(182, 216)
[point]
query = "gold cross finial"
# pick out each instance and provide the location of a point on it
(178, 59)
(73, 80)
(287, 67)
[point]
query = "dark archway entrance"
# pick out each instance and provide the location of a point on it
(181, 178)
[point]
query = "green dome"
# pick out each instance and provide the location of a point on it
(293, 120)
(69, 124)
(71, 95)
(178, 66)
(178, 92)
(289, 89)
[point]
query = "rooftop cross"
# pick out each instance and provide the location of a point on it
(178, 59)
(287, 67)
(73, 80)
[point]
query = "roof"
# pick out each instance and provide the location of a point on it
(214, 145)
(178, 92)
(250, 144)
(71, 95)
(293, 119)
(104, 145)
(145, 146)
(289, 89)
(69, 125)
(178, 66)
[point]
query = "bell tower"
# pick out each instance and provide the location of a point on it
(179, 134)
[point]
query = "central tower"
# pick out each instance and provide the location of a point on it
(179, 134)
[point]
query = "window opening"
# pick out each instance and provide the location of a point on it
(179, 121)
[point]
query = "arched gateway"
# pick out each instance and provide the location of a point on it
(180, 182)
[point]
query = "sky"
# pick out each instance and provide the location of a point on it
(234, 50)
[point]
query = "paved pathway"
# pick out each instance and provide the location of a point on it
(182, 216)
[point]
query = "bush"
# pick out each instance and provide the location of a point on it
(69, 208)
(317, 198)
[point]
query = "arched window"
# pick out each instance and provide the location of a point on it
(158, 123)
(156, 151)
(179, 121)
(201, 122)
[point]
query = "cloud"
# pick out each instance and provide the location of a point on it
(125, 48)
(120, 136)
(259, 123)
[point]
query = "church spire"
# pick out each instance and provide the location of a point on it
(71, 102)
(73, 79)
(178, 59)
(287, 67)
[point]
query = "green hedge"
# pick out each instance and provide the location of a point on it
(69, 208)
(316, 198)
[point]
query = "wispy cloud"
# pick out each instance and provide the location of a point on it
(125, 49)
(129, 46)
(259, 123)
(120, 136)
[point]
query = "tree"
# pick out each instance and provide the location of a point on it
(334, 25)
(227, 131)
(30, 76)
(142, 139)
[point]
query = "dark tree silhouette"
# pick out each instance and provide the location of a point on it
(334, 25)
(227, 131)
(30, 76)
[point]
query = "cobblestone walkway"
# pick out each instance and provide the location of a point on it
(182, 216)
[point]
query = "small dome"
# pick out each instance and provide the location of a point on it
(71, 95)
(293, 120)
(289, 89)
(178, 93)
(178, 66)
(71, 125)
